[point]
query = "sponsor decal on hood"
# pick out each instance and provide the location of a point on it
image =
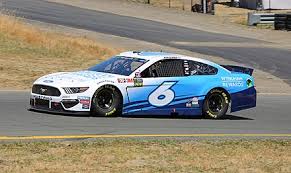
(76, 77)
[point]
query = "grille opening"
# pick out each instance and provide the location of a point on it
(45, 90)
(70, 103)
(41, 103)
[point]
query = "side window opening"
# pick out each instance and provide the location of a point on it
(165, 68)
(198, 68)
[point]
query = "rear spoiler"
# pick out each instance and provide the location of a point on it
(239, 69)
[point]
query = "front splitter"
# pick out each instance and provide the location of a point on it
(59, 112)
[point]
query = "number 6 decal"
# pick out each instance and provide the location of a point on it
(163, 95)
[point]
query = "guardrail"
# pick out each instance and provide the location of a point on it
(280, 21)
(260, 18)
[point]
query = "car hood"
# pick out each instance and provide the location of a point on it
(80, 78)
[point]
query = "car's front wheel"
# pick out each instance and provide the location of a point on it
(107, 101)
(215, 104)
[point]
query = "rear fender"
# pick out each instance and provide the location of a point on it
(244, 99)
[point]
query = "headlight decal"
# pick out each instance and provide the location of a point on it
(74, 90)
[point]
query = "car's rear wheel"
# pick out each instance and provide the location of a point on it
(107, 101)
(215, 104)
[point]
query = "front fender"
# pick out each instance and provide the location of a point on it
(120, 86)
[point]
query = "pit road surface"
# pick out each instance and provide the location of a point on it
(270, 117)
(273, 60)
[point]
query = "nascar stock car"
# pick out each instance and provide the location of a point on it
(138, 83)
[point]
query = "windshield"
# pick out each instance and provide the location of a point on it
(119, 65)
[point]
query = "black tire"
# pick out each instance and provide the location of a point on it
(215, 104)
(107, 101)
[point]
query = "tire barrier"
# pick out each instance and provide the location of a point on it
(280, 21)
(288, 22)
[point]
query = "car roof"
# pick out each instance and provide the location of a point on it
(146, 55)
(156, 56)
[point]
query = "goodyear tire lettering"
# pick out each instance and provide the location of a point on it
(111, 112)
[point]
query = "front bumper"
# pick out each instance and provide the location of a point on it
(64, 104)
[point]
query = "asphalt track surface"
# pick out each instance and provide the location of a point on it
(273, 60)
(270, 117)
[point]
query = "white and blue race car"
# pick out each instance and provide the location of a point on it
(138, 83)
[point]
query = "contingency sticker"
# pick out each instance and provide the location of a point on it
(194, 102)
(125, 80)
(138, 82)
(85, 101)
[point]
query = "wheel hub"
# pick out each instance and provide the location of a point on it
(105, 99)
(215, 103)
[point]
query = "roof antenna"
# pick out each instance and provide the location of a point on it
(137, 52)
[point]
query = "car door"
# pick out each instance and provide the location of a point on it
(157, 88)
